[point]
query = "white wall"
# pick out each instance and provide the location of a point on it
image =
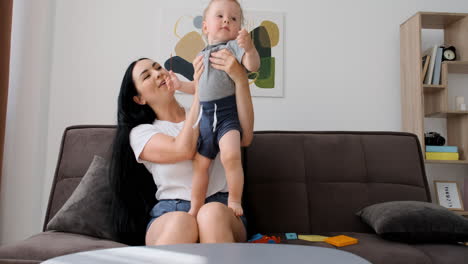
(341, 62)
(26, 128)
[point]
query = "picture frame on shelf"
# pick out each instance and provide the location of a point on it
(448, 195)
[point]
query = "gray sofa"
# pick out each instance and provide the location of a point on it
(302, 182)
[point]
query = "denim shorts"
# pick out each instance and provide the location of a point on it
(172, 205)
(218, 117)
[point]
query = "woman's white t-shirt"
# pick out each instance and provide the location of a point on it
(174, 181)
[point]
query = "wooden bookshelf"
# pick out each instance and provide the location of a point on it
(464, 213)
(435, 20)
(462, 162)
(430, 88)
(457, 66)
(419, 100)
(447, 114)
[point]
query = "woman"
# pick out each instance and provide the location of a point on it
(156, 131)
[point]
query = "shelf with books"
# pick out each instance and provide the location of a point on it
(435, 95)
(424, 78)
(444, 154)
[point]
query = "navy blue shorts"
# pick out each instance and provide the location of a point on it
(173, 205)
(225, 110)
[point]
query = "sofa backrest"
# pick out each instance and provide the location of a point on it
(305, 182)
(79, 145)
(315, 182)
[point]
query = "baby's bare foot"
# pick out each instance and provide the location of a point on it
(236, 207)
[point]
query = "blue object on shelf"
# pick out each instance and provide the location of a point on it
(452, 149)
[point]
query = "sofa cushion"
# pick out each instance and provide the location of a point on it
(87, 211)
(444, 253)
(79, 146)
(380, 251)
(413, 222)
(51, 244)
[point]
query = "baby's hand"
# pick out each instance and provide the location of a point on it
(172, 82)
(236, 207)
(244, 40)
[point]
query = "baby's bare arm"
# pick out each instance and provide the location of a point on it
(187, 87)
(251, 59)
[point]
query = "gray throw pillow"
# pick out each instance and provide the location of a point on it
(415, 222)
(87, 211)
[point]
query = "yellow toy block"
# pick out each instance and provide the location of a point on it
(341, 241)
(312, 238)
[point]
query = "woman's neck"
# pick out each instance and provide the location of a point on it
(171, 112)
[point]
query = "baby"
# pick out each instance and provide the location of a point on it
(220, 130)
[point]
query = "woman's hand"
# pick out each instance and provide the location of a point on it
(224, 60)
(173, 83)
(198, 70)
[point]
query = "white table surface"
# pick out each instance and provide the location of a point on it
(213, 253)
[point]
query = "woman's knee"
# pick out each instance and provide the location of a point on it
(211, 213)
(183, 221)
(218, 224)
(173, 228)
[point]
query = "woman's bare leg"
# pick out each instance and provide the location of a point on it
(172, 228)
(218, 224)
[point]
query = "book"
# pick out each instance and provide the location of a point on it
(452, 149)
(430, 71)
(437, 67)
(425, 65)
(442, 156)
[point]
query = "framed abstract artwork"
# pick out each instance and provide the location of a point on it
(181, 39)
(448, 195)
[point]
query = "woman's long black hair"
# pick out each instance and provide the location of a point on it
(132, 184)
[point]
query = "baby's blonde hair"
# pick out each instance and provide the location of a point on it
(240, 8)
